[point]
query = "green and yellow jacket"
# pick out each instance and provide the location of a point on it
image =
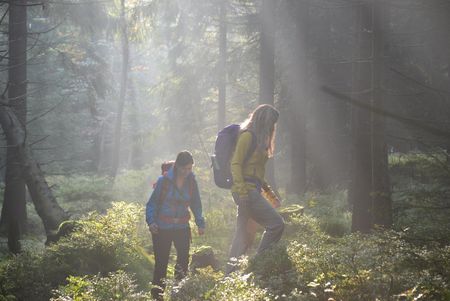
(254, 168)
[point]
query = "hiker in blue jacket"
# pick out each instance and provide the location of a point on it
(167, 216)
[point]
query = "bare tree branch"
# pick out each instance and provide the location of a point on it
(405, 120)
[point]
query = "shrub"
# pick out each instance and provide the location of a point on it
(421, 195)
(330, 209)
(99, 245)
(238, 287)
(195, 287)
(116, 286)
(382, 265)
(80, 194)
(273, 269)
(23, 276)
(103, 244)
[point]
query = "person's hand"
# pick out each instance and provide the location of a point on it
(276, 203)
(201, 231)
(153, 227)
(240, 199)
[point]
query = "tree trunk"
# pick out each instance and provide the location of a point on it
(381, 195)
(267, 67)
(369, 192)
(123, 88)
(45, 203)
(298, 12)
(222, 72)
(14, 206)
(14, 214)
(359, 193)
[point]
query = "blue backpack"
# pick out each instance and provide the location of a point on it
(223, 151)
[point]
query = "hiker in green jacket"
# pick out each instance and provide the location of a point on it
(248, 182)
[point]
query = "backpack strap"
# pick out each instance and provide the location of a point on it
(165, 189)
(163, 194)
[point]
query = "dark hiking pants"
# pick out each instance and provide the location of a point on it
(257, 208)
(162, 243)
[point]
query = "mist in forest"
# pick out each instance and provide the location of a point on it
(97, 94)
(143, 77)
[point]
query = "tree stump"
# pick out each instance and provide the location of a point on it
(202, 258)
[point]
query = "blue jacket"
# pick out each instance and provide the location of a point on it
(175, 205)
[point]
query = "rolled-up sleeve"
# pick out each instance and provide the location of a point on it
(196, 207)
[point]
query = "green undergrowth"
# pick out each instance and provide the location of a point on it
(104, 259)
(308, 264)
(330, 209)
(108, 256)
(421, 194)
(100, 244)
(116, 286)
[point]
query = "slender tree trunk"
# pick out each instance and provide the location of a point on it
(267, 52)
(122, 93)
(298, 11)
(267, 66)
(359, 193)
(381, 195)
(370, 191)
(222, 65)
(14, 214)
(45, 203)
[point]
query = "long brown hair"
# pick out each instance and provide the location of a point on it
(262, 123)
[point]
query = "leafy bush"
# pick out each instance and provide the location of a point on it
(383, 265)
(194, 287)
(330, 209)
(100, 245)
(23, 276)
(80, 194)
(422, 167)
(213, 286)
(421, 195)
(274, 270)
(116, 286)
(239, 287)
(103, 243)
